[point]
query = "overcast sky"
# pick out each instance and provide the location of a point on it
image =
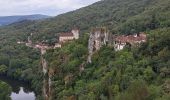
(47, 7)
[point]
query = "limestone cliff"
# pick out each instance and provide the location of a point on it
(98, 38)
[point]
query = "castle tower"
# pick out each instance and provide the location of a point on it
(76, 33)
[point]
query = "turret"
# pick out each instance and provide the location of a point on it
(76, 33)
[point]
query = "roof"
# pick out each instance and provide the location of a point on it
(68, 34)
(122, 39)
(131, 38)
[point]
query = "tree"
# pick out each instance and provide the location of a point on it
(4, 60)
(3, 69)
(5, 91)
(138, 90)
(149, 74)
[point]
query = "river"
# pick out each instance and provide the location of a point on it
(20, 90)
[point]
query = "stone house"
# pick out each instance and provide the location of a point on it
(68, 36)
(134, 40)
(57, 45)
(119, 42)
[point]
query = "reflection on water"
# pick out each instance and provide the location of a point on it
(20, 90)
(22, 95)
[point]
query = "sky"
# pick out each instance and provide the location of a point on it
(46, 7)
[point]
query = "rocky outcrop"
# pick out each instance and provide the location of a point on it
(101, 36)
(98, 38)
(47, 76)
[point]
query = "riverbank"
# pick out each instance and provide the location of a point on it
(20, 90)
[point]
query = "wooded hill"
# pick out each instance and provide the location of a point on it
(131, 74)
(6, 20)
(120, 16)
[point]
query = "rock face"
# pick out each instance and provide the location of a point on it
(47, 80)
(98, 38)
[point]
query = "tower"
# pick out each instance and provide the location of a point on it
(75, 32)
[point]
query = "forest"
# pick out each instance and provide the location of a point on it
(119, 16)
(5, 91)
(131, 74)
(141, 73)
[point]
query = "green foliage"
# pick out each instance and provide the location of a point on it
(111, 75)
(4, 60)
(3, 69)
(18, 61)
(138, 90)
(5, 91)
(149, 74)
(131, 74)
(120, 16)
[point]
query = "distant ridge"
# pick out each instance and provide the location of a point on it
(6, 20)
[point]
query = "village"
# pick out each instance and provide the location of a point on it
(97, 38)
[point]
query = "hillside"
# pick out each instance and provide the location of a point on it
(120, 16)
(6, 20)
(139, 73)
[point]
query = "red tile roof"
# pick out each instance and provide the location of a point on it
(122, 39)
(131, 38)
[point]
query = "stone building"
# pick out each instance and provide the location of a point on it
(134, 40)
(68, 36)
(57, 45)
(76, 32)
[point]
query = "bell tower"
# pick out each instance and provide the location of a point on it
(76, 33)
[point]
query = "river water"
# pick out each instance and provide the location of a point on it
(20, 90)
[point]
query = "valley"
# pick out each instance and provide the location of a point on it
(110, 50)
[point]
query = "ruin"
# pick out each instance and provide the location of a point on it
(98, 38)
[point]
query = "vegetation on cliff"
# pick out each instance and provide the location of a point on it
(134, 73)
(5, 91)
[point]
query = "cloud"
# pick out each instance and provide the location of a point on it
(49, 7)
